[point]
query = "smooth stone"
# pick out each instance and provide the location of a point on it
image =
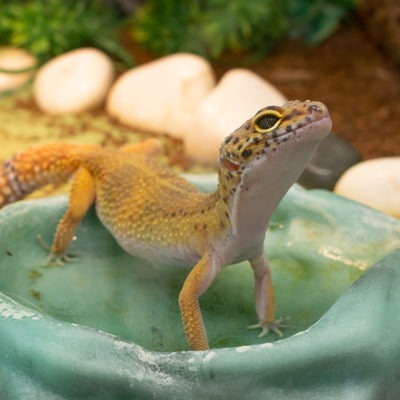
(237, 97)
(375, 183)
(333, 156)
(161, 96)
(14, 60)
(73, 82)
(107, 326)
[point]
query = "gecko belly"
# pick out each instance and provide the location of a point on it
(170, 256)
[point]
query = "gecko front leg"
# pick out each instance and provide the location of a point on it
(196, 283)
(265, 301)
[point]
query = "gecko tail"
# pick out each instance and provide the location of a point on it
(39, 166)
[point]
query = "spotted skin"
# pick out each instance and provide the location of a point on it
(159, 216)
(29, 170)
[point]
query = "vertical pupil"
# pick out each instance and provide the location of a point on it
(267, 121)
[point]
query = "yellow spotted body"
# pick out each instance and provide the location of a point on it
(157, 215)
(152, 212)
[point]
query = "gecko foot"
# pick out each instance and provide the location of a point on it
(58, 261)
(55, 260)
(273, 326)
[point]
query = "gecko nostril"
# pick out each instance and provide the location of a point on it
(314, 108)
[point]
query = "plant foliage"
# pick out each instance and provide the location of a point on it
(48, 28)
(210, 27)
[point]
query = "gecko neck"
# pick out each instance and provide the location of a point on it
(250, 195)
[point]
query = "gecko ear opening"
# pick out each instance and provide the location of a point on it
(229, 165)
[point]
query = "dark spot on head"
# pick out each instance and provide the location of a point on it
(202, 210)
(248, 139)
(221, 224)
(291, 115)
(266, 143)
(204, 226)
(235, 140)
(274, 135)
(228, 139)
(240, 147)
(195, 226)
(296, 112)
(288, 128)
(173, 214)
(256, 140)
(246, 153)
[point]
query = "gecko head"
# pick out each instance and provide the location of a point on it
(274, 129)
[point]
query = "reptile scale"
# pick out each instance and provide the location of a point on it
(159, 216)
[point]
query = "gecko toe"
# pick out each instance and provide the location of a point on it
(273, 326)
(59, 260)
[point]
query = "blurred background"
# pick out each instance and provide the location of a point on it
(345, 53)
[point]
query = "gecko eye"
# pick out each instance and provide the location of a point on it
(266, 122)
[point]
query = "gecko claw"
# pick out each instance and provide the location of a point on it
(273, 326)
(42, 243)
(58, 261)
(55, 260)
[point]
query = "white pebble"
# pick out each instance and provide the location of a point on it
(15, 59)
(237, 97)
(75, 81)
(161, 96)
(375, 183)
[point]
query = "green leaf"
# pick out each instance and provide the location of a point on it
(211, 27)
(50, 27)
